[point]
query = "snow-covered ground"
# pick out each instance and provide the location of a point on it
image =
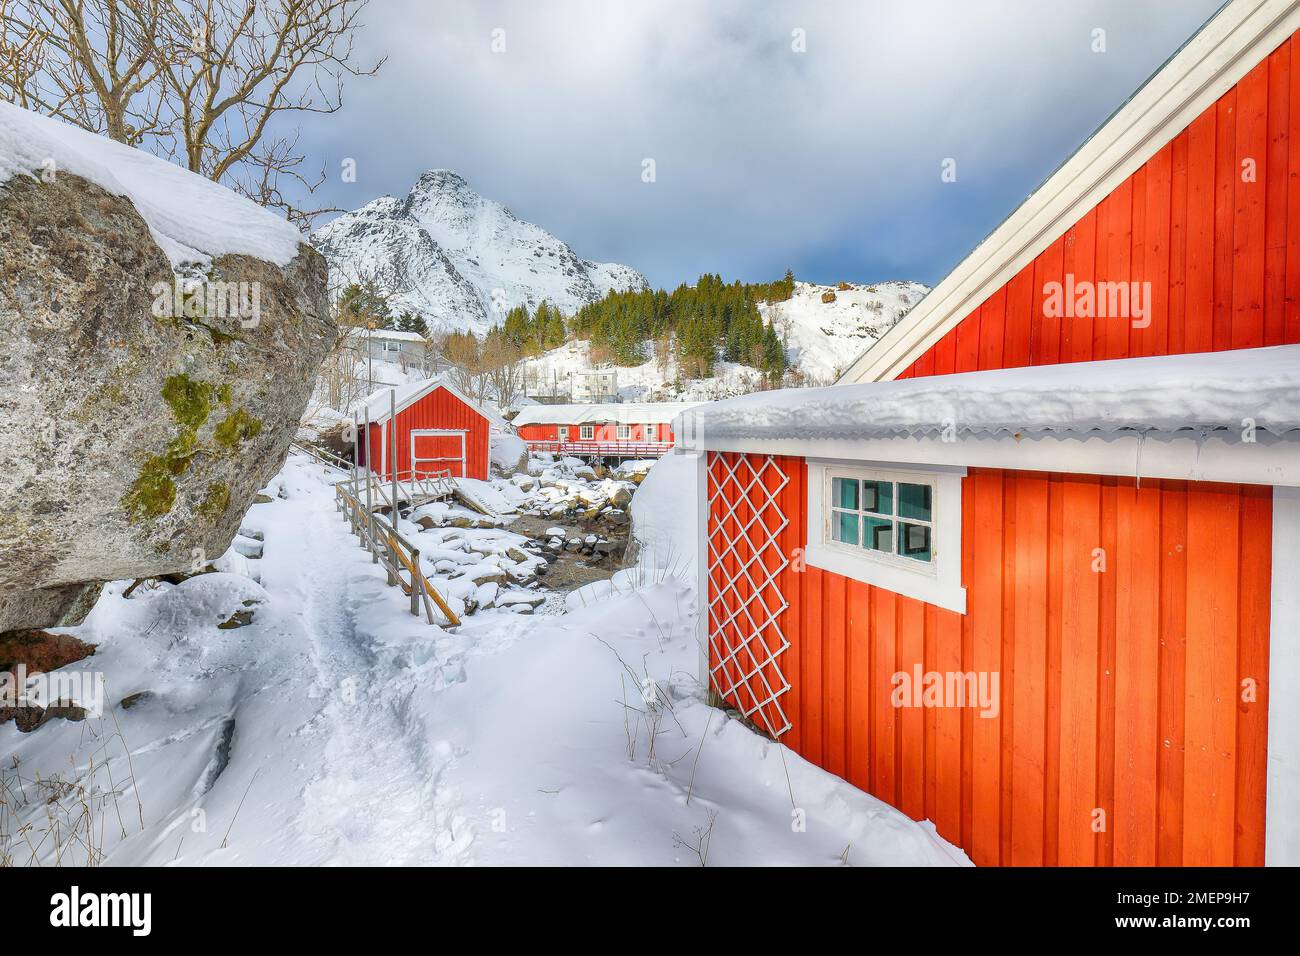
(336, 728)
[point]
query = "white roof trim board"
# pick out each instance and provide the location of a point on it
(380, 402)
(1254, 391)
(635, 413)
(1233, 42)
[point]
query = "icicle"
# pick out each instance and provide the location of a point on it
(1137, 467)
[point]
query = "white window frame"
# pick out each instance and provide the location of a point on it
(388, 345)
(624, 433)
(649, 432)
(586, 432)
(936, 582)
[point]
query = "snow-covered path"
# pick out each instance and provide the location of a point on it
(375, 796)
(339, 729)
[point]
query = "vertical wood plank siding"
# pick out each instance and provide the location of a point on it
(1212, 221)
(439, 409)
(1120, 671)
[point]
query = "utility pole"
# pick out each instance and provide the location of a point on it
(370, 358)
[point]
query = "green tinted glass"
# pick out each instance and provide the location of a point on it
(844, 527)
(914, 541)
(914, 502)
(878, 534)
(878, 497)
(844, 493)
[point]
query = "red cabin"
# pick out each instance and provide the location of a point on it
(1031, 571)
(624, 430)
(439, 429)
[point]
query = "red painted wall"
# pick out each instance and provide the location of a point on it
(1120, 689)
(1222, 254)
(438, 409)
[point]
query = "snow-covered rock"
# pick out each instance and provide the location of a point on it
(460, 260)
(510, 458)
(138, 421)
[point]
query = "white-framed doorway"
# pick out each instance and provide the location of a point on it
(438, 449)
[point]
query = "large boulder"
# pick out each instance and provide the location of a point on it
(136, 425)
(509, 455)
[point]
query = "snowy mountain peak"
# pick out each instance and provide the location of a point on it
(459, 259)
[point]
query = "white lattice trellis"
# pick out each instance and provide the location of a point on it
(745, 560)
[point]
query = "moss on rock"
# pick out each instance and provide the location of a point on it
(190, 401)
(217, 500)
(154, 492)
(237, 427)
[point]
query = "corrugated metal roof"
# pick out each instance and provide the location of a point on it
(1171, 395)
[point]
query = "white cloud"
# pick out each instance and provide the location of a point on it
(826, 160)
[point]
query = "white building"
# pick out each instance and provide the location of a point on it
(595, 385)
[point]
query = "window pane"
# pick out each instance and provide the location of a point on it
(878, 534)
(914, 501)
(844, 493)
(844, 527)
(914, 540)
(878, 496)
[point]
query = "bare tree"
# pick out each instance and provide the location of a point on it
(503, 366)
(202, 82)
(93, 63)
(663, 348)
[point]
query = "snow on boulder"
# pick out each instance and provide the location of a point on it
(190, 218)
(509, 455)
(664, 525)
(483, 497)
(140, 411)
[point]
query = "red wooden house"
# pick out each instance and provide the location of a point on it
(438, 429)
(1032, 568)
(622, 430)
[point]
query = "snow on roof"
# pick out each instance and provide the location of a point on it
(1171, 395)
(388, 334)
(648, 413)
(380, 402)
(191, 218)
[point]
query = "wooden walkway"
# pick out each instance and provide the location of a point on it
(362, 498)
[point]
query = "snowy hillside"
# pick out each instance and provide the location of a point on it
(461, 260)
(821, 339)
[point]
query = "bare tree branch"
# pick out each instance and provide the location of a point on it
(203, 82)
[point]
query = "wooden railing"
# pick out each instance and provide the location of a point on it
(411, 488)
(602, 449)
(321, 455)
(389, 548)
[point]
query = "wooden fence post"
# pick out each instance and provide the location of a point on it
(370, 472)
(392, 417)
(417, 582)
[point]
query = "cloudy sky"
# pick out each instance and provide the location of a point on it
(805, 135)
